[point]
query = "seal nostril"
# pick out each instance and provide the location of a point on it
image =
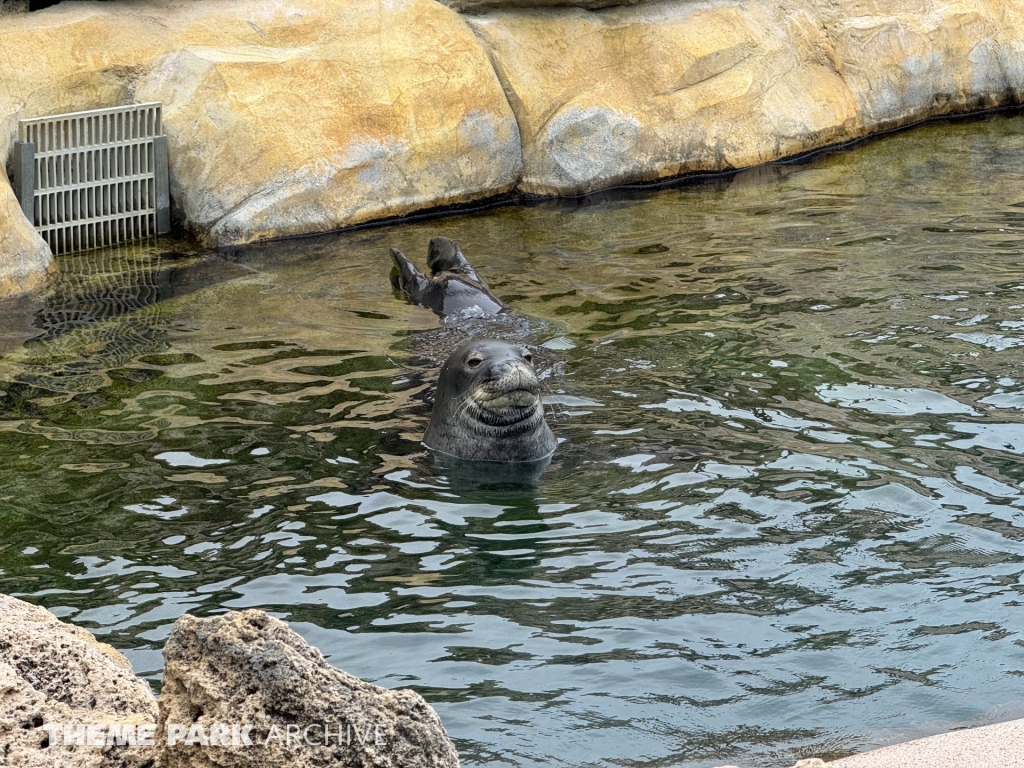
(498, 371)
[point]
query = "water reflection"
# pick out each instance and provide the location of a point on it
(785, 518)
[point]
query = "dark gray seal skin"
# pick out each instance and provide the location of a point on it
(453, 286)
(488, 407)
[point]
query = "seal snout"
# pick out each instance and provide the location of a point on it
(514, 386)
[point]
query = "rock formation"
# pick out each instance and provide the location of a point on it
(282, 118)
(56, 673)
(245, 675)
(249, 668)
(298, 116)
(682, 87)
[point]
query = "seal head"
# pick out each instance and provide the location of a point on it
(453, 286)
(488, 406)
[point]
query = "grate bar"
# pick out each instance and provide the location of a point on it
(93, 184)
(93, 179)
(105, 145)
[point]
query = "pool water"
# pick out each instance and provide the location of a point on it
(786, 517)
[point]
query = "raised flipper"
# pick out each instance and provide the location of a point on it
(453, 286)
(405, 277)
(444, 255)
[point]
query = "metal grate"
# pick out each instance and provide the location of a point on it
(93, 179)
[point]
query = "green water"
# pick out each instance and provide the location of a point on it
(786, 517)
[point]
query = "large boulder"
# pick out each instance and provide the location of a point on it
(657, 90)
(55, 673)
(249, 670)
(283, 117)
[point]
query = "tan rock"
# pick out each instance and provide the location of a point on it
(643, 93)
(26, 263)
(51, 672)
(283, 118)
(249, 669)
(296, 116)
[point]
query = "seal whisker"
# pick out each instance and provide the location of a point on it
(557, 409)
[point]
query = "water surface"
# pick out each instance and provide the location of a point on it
(786, 518)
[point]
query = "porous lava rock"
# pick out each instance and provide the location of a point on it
(248, 669)
(56, 673)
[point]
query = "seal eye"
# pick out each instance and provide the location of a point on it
(474, 361)
(527, 356)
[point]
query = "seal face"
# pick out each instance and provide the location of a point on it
(453, 286)
(488, 406)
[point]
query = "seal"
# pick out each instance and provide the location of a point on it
(453, 286)
(488, 406)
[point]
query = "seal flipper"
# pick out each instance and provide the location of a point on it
(444, 255)
(407, 278)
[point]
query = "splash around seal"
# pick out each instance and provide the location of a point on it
(488, 406)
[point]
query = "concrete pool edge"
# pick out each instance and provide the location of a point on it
(1000, 745)
(989, 746)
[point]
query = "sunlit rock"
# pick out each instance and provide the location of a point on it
(307, 116)
(249, 670)
(658, 90)
(25, 260)
(53, 673)
(282, 118)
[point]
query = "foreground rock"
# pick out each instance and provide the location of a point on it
(283, 118)
(52, 672)
(643, 93)
(250, 669)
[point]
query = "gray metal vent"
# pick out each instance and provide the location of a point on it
(93, 179)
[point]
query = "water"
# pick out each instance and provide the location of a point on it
(786, 517)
